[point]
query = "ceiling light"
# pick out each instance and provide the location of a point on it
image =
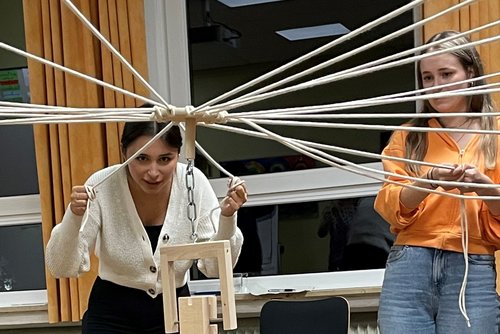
(241, 3)
(325, 30)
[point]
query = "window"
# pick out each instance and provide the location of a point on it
(247, 46)
(311, 237)
(280, 237)
(22, 270)
(243, 46)
(21, 264)
(18, 173)
(306, 224)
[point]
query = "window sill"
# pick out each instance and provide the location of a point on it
(35, 315)
(23, 308)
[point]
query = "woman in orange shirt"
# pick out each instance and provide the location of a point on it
(427, 279)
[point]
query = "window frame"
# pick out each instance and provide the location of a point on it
(316, 184)
(17, 211)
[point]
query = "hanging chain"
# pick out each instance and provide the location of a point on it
(191, 207)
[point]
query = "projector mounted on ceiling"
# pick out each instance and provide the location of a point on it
(214, 33)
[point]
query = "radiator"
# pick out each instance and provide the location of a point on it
(356, 328)
(363, 328)
(241, 330)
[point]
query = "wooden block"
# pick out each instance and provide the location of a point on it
(195, 313)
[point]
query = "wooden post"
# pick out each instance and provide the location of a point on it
(215, 249)
(190, 138)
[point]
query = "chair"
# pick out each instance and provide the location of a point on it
(319, 316)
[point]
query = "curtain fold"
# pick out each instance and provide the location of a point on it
(478, 14)
(67, 154)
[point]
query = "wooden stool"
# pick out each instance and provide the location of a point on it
(196, 312)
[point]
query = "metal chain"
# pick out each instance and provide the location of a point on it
(191, 207)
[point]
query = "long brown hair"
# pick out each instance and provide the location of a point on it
(416, 142)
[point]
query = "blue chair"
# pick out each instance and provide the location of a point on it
(318, 316)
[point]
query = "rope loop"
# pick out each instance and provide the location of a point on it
(90, 192)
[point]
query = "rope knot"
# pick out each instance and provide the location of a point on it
(160, 114)
(222, 117)
(210, 118)
(171, 113)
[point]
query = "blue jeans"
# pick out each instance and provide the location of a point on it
(421, 290)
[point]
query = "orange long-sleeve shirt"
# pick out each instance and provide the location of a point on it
(436, 221)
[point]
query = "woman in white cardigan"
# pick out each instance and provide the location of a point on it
(135, 211)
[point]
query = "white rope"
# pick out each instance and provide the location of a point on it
(341, 163)
(28, 105)
(358, 126)
(85, 118)
(94, 115)
(115, 52)
(77, 113)
(334, 77)
(306, 112)
(338, 41)
(76, 73)
(208, 156)
(213, 161)
(27, 110)
(327, 147)
(373, 44)
(69, 110)
(465, 246)
(369, 102)
(136, 154)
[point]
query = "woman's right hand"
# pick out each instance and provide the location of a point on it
(79, 200)
(454, 173)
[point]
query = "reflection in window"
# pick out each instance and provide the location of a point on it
(341, 234)
(18, 172)
(21, 258)
(231, 46)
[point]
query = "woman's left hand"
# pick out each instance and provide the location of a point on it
(235, 198)
(473, 175)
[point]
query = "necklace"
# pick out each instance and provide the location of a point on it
(468, 120)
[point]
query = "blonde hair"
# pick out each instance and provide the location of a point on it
(416, 142)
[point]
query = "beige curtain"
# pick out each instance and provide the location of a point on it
(478, 14)
(67, 154)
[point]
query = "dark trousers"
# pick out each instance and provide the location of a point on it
(115, 309)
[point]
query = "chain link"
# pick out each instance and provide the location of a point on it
(191, 207)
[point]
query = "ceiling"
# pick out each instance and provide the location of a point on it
(256, 27)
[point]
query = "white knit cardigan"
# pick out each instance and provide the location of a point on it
(112, 227)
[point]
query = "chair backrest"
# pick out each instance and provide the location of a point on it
(319, 316)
